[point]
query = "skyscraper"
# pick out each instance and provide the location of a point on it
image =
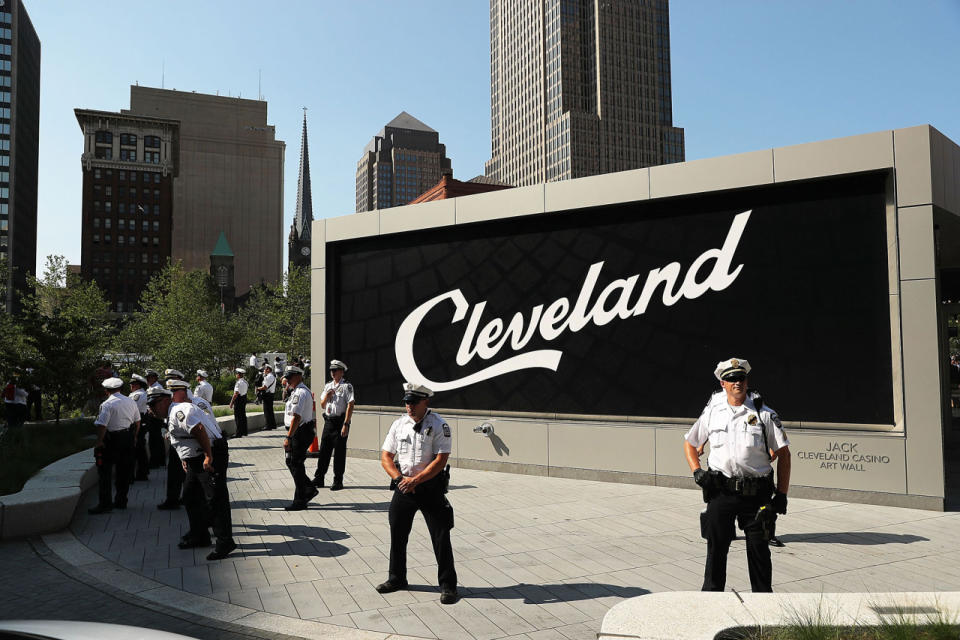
(19, 142)
(298, 244)
(579, 88)
(401, 162)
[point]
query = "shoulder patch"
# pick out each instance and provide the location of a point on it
(776, 421)
(446, 430)
(180, 416)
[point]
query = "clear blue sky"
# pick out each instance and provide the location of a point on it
(747, 75)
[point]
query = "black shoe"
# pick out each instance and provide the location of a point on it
(313, 494)
(318, 483)
(168, 506)
(296, 505)
(336, 486)
(775, 542)
(193, 544)
(449, 595)
(389, 586)
(219, 553)
(100, 508)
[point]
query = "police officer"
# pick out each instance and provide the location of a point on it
(204, 389)
(175, 470)
(138, 393)
(739, 485)
(267, 392)
(117, 425)
(202, 449)
(239, 402)
(158, 455)
(337, 402)
(301, 430)
(414, 455)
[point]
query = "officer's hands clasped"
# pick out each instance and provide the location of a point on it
(779, 503)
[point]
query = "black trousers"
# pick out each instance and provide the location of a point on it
(35, 404)
(723, 510)
(153, 426)
(297, 455)
(206, 497)
(332, 442)
(175, 476)
(141, 460)
(269, 418)
(240, 415)
(438, 513)
(114, 462)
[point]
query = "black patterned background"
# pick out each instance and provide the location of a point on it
(810, 309)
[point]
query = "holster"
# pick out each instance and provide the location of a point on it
(445, 485)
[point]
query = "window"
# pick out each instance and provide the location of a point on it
(132, 241)
(106, 238)
(107, 206)
(156, 241)
(156, 194)
(145, 225)
(123, 176)
(156, 259)
(120, 240)
(96, 175)
(104, 137)
(146, 176)
(128, 139)
(156, 225)
(128, 155)
(143, 258)
(121, 224)
(156, 209)
(101, 153)
(108, 191)
(4, 161)
(106, 223)
(133, 190)
(156, 178)
(119, 307)
(122, 208)
(97, 189)
(131, 258)
(96, 205)
(96, 271)
(151, 142)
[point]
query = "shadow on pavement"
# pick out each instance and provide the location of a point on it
(316, 504)
(853, 537)
(321, 539)
(545, 593)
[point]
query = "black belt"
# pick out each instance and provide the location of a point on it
(744, 486)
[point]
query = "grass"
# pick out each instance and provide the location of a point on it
(25, 450)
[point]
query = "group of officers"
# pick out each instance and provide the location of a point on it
(745, 437)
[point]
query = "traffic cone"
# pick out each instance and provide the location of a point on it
(315, 446)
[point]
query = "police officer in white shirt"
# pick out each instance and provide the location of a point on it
(138, 393)
(268, 393)
(203, 453)
(414, 455)
(337, 401)
(742, 432)
(154, 427)
(175, 471)
(239, 402)
(204, 389)
(301, 430)
(117, 425)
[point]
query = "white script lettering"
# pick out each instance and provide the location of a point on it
(559, 317)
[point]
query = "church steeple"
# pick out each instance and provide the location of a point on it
(299, 243)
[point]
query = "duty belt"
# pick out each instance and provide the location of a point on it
(744, 486)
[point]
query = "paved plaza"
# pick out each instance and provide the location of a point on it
(538, 558)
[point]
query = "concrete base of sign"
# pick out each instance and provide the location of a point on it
(685, 615)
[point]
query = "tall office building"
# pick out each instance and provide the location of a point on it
(401, 162)
(19, 142)
(578, 88)
(298, 244)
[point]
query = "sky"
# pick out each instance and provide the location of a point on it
(747, 75)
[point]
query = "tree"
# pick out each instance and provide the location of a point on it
(12, 346)
(277, 316)
(65, 331)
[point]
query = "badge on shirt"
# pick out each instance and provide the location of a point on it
(446, 430)
(180, 416)
(752, 420)
(776, 421)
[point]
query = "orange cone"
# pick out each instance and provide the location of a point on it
(315, 446)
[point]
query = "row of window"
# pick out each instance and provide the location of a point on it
(5, 17)
(148, 176)
(122, 240)
(145, 258)
(122, 224)
(127, 155)
(4, 81)
(107, 207)
(107, 190)
(5, 49)
(127, 139)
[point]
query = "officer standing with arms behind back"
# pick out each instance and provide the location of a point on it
(117, 425)
(739, 485)
(414, 455)
(301, 430)
(154, 426)
(268, 391)
(239, 402)
(138, 393)
(337, 402)
(204, 389)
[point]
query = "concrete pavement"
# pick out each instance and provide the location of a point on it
(538, 558)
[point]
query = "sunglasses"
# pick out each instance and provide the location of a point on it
(413, 401)
(736, 378)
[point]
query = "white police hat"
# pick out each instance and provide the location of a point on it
(414, 391)
(172, 373)
(173, 384)
(731, 367)
(138, 378)
(240, 370)
(157, 393)
(112, 383)
(151, 372)
(337, 364)
(291, 369)
(202, 373)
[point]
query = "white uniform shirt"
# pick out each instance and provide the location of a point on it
(156, 385)
(299, 402)
(414, 451)
(20, 396)
(182, 418)
(203, 405)
(270, 383)
(117, 413)
(736, 436)
(140, 397)
(204, 390)
(253, 361)
(241, 387)
(343, 395)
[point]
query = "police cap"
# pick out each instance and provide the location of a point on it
(151, 372)
(138, 378)
(112, 383)
(202, 373)
(173, 384)
(291, 370)
(240, 370)
(172, 373)
(731, 367)
(337, 364)
(413, 392)
(157, 393)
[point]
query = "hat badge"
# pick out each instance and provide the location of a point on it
(734, 362)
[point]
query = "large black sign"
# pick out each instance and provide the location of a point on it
(625, 310)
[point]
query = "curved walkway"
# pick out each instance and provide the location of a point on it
(538, 558)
